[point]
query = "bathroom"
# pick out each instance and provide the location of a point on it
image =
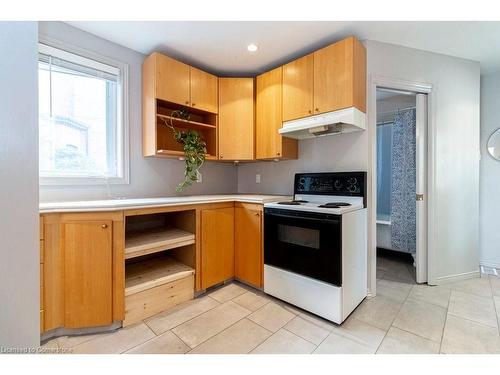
(396, 149)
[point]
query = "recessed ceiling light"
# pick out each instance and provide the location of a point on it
(252, 47)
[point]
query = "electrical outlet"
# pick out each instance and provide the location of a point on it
(257, 178)
(199, 177)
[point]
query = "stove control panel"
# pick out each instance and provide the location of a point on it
(340, 183)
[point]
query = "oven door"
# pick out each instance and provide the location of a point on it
(305, 243)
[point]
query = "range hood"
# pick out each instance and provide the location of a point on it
(342, 121)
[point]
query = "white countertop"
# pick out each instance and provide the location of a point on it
(128, 204)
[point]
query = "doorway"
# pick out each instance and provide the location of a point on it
(401, 167)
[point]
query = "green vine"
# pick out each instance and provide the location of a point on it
(194, 147)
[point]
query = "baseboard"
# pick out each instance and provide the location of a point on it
(458, 277)
(490, 264)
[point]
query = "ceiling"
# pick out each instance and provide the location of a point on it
(220, 47)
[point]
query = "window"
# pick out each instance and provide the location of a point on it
(82, 130)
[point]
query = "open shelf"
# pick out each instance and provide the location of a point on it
(178, 122)
(154, 240)
(180, 154)
(154, 272)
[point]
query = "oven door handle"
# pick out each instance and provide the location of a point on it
(303, 218)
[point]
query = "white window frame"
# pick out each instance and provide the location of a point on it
(66, 51)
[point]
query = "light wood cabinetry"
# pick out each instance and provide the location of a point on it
(269, 119)
(172, 83)
(88, 283)
(203, 90)
(248, 246)
(83, 277)
(217, 245)
(329, 79)
(340, 76)
(298, 88)
(236, 119)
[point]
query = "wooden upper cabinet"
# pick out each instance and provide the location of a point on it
(340, 76)
(269, 119)
(217, 245)
(172, 80)
(298, 88)
(236, 119)
(249, 262)
(203, 90)
(88, 273)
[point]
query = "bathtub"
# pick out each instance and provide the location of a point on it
(384, 232)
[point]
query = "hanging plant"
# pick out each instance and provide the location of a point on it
(194, 148)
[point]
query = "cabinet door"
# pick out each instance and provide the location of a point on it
(340, 76)
(203, 91)
(172, 80)
(298, 88)
(87, 273)
(248, 245)
(268, 114)
(217, 246)
(236, 119)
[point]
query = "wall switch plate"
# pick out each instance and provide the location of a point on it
(257, 178)
(199, 177)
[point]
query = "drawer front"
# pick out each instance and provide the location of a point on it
(147, 303)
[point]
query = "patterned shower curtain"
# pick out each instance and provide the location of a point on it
(403, 190)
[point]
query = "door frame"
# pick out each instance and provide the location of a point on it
(376, 81)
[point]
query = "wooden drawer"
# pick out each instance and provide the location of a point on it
(149, 302)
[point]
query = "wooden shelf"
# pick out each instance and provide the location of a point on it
(181, 123)
(180, 154)
(152, 241)
(154, 272)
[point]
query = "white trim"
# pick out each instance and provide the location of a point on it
(489, 264)
(458, 277)
(123, 142)
(374, 82)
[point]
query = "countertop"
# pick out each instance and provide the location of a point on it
(136, 203)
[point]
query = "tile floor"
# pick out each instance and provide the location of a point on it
(461, 317)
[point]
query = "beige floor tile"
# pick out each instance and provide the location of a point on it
(473, 307)
(401, 342)
(272, 316)
(396, 271)
(337, 344)
(496, 300)
(463, 336)
(167, 343)
(317, 320)
(361, 331)
(208, 324)
(422, 319)
(240, 338)
(495, 285)
(171, 318)
(380, 274)
(393, 289)
(116, 342)
(437, 295)
(284, 342)
(307, 330)
(227, 292)
(251, 301)
(379, 311)
(479, 286)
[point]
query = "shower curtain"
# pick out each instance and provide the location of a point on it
(403, 189)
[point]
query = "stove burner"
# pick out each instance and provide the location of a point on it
(300, 201)
(297, 202)
(334, 205)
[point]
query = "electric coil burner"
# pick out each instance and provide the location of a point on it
(315, 245)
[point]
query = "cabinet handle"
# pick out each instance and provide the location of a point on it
(187, 102)
(221, 156)
(278, 153)
(257, 214)
(193, 104)
(317, 109)
(104, 226)
(309, 111)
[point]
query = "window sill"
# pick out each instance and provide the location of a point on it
(82, 181)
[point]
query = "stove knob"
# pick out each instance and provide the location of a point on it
(337, 185)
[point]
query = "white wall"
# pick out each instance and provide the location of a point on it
(19, 256)
(456, 121)
(151, 177)
(490, 173)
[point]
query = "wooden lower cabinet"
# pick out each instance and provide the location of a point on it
(88, 283)
(217, 245)
(83, 270)
(248, 244)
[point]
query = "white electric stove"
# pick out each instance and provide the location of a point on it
(315, 246)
